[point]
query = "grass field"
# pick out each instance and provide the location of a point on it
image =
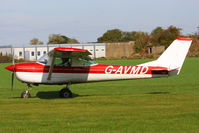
(162, 105)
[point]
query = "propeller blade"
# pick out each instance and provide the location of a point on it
(13, 59)
(13, 73)
(12, 84)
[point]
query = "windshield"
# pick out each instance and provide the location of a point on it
(43, 59)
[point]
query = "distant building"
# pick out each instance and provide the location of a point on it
(119, 50)
(157, 50)
(34, 52)
(5, 50)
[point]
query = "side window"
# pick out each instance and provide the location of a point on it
(20, 53)
(32, 53)
(44, 52)
(38, 53)
(83, 61)
(63, 62)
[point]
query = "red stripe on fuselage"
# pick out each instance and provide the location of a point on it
(95, 69)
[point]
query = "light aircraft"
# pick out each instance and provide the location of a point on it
(69, 66)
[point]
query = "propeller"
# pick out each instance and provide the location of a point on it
(12, 84)
(13, 72)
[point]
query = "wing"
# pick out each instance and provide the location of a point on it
(64, 52)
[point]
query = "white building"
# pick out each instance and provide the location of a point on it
(34, 52)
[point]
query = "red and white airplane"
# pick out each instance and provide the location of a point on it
(71, 65)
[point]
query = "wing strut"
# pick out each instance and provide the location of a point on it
(51, 67)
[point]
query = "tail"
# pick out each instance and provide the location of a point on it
(173, 57)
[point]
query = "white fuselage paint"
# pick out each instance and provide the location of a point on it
(58, 78)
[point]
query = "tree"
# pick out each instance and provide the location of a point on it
(72, 41)
(194, 49)
(170, 34)
(164, 37)
(142, 40)
(157, 30)
(128, 36)
(156, 35)
(117, 35)
(35, 41)
(60, 39)
(114, 35)
(57, 39)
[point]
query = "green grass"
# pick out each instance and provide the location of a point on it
(161, 105)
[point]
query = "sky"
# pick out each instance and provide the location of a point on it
(86, 20)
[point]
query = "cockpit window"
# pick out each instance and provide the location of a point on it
(68, 61)
(86, 61)
(63, 62)
(75, 61)
(83, 61)
(43, 59)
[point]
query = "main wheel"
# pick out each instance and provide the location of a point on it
(65, 93)
(25, 94)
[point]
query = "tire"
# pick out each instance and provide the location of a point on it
(25, 95)
(65, 93)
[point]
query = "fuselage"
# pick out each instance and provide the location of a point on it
(37, 73)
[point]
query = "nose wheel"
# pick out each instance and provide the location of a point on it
(66, 92)
(26, 94)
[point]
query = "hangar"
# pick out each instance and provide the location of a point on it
(34, 52)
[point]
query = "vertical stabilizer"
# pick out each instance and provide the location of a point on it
(174, 56)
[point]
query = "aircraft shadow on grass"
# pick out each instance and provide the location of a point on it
(55, 95)
(158, 92)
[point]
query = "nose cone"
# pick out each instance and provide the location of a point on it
(11, 67)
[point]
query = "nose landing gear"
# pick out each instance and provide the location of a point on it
(26, 93)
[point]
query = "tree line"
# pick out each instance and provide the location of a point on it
(55, 39)
(157, 37)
